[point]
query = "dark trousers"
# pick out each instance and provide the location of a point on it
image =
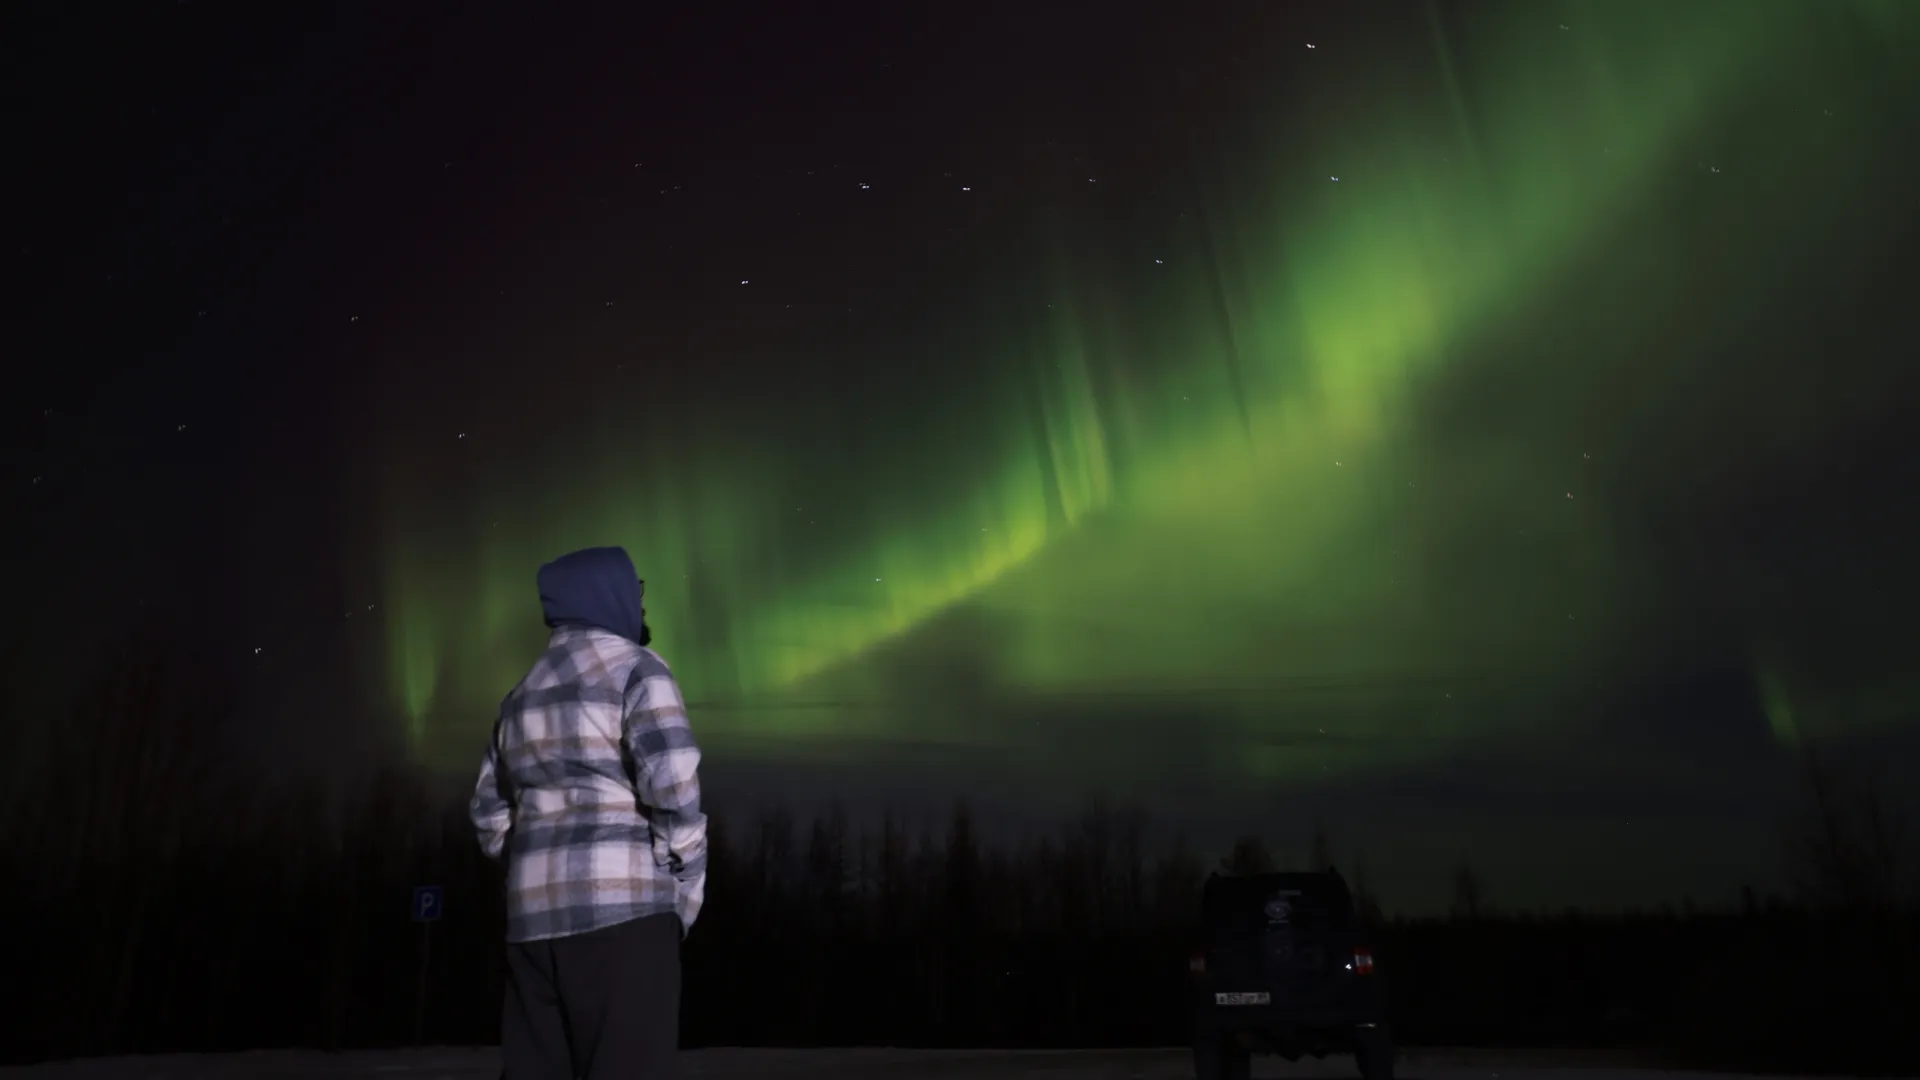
(604, 1005)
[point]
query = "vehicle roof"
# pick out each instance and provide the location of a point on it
(1229, 900)
(1326, 884)
(1280, 878)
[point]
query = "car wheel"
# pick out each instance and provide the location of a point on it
(1221, 1059)
(1373, 1052)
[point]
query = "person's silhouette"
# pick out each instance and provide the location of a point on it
(590, 792)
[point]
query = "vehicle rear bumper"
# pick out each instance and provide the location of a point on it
(1312, 1030)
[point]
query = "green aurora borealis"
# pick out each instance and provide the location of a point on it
(1378, 436)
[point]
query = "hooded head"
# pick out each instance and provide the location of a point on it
(595, 587)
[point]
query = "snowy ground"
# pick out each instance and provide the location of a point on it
(481, 1063)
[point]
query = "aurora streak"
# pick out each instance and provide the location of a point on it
(1217, 469)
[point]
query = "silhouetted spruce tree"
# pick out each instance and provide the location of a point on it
(1851, 853)
(827, 870)
(1248, 856)
(1177, 878)
(891, 884)
(1319, 851)
(1130, 855)
(1365, 904)
(1469, 893)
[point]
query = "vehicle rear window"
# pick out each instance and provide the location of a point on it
(1245, 907)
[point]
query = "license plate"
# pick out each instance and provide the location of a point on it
(1251, 998)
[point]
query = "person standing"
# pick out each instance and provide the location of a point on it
(590, 792)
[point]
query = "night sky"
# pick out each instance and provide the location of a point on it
(1485, 430)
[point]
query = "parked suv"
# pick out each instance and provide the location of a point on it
(1283, 969)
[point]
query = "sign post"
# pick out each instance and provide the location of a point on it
(428, 901)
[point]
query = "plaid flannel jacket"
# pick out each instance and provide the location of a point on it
(590, 790)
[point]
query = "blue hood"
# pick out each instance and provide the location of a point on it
(594, 587)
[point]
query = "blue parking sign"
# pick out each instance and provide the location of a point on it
(427, 902)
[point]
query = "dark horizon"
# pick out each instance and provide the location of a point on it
(276, 926)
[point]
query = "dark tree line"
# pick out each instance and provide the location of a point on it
(159, 902)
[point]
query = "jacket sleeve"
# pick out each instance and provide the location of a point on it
(490, 810)
(667, 767)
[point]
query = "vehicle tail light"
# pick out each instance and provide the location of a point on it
(1197, 963)
(1363, 961)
